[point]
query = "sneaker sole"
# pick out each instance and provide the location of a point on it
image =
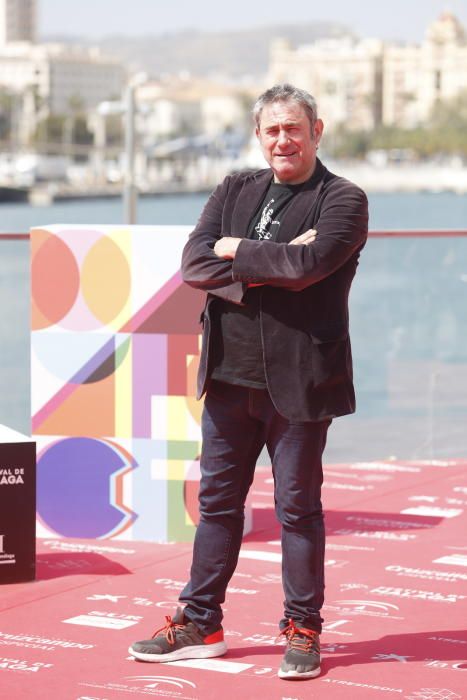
(296, 674)
(195, 652)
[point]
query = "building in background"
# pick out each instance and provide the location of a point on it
(416, 78)
(58, 73)
(56, 79)
(344, 75)
(362, 83)
(188, 105)
(18, 21)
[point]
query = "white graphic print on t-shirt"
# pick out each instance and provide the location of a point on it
(263, 227)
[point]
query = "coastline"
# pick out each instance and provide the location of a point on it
(429, 177)
(405, 177)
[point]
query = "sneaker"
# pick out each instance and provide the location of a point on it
(302, 655)
(179, 639)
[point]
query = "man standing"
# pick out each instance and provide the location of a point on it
(276, 250)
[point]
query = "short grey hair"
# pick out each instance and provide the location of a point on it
(285, 92)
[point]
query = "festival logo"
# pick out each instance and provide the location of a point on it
(12, 477)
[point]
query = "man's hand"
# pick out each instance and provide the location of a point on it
(304, 238)
(226, 247)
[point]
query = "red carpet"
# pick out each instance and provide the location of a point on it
(396, 607)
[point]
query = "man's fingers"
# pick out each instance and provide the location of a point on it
(304, 238)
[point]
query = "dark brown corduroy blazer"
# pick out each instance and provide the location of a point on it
(304, 302)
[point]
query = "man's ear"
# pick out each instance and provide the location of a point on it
(318, 130)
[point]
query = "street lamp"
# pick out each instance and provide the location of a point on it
(128, 108)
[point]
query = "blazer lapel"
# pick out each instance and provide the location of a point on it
(248, 201)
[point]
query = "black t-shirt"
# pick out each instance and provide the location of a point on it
(238, 348)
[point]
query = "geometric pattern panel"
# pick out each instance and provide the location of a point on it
(114, 355)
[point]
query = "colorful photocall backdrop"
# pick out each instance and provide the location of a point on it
(114, 355)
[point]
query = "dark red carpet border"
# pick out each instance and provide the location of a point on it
(395, 614)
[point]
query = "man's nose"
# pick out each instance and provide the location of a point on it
(283, 137)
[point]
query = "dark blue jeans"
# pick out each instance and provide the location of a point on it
(236, 423)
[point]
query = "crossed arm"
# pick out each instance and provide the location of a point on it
(227, 265)
(226, 247)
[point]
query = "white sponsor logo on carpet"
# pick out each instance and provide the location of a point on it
(171, 584)
(432, 511)
(384, 467)
(377, 535)
(454, 559)
(354, 684)
(36, 642)
(155, 681)
(392, 657)
(448, 640)
(346, 487)
(364, 607)
(22, 665)
(348, 547)
(110, 598)
(60, 546)
(257, 555)
(105, 620)
(433, 694)
(212, 665)
(415, 594)
(392, 524)
(430, 574)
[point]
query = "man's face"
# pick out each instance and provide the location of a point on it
(288, 142)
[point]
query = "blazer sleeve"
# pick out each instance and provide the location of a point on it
(342, 229)
(201, 267)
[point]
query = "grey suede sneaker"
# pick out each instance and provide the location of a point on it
(302, 654)
(179, 639)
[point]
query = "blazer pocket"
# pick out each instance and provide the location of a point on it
(329, 355)
(328, 334)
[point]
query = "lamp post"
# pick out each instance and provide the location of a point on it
(128, 108)
(129, 190)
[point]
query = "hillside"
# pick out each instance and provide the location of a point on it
(236, 53)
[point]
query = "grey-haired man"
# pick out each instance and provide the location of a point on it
(276, 251)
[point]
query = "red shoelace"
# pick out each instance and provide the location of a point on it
(170, 629)
(301, 643)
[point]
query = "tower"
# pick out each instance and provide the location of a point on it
(18, 21)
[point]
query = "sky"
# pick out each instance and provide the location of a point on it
(404, 20)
